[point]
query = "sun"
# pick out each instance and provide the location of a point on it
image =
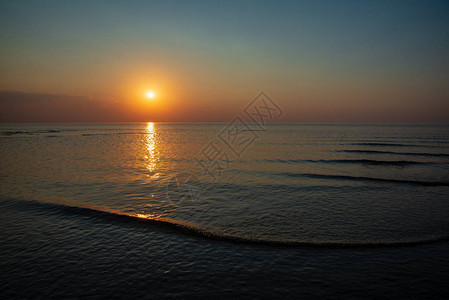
(150, 95)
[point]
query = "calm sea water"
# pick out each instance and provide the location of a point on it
(194, 210)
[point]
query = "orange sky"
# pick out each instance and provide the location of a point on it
(321, 62)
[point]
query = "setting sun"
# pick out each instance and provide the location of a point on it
(150, 95)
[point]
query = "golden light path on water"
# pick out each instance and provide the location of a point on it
(151, 155)
(150, 164)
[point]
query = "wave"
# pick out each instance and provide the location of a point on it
(392, 145)
(365, 179)
(94, 134)
(8, 133)
(395, 153)
(194, 230)
(399, 163)
(22, 132)
(40, 132)
(394, 139)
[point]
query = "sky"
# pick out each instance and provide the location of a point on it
(320, 61)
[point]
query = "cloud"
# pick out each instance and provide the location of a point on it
(24, 107)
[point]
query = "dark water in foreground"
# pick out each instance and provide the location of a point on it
(303, 210)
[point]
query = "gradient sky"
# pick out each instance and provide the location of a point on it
(321, 61)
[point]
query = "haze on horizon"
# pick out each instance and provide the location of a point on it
(321, 61)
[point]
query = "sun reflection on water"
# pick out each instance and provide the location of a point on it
(151, 153)
(146, 216)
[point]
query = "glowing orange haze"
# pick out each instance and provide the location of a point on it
(170, 105)
(186, 93)
(191, 90)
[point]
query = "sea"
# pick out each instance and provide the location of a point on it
(224, 210)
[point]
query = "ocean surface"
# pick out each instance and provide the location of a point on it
(164, 210)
